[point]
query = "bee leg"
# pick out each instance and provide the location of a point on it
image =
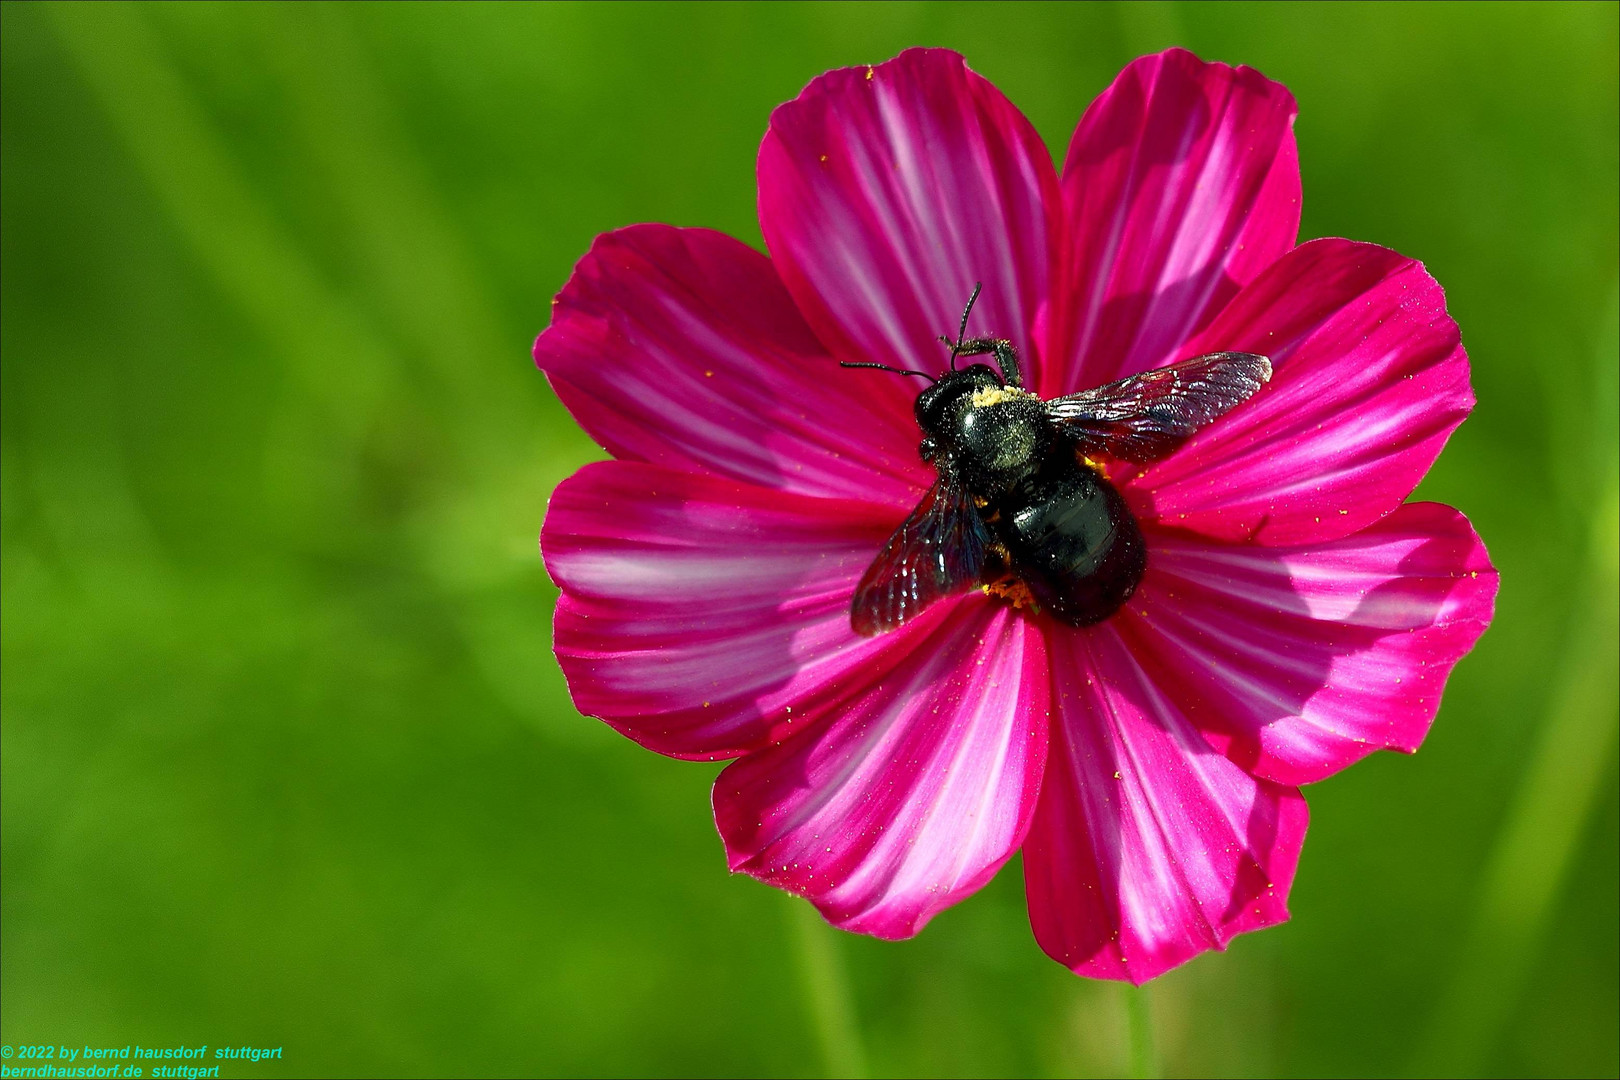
(1006, 357)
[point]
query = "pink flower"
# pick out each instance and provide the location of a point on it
(1295, 614)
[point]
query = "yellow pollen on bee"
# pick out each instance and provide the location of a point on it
(1014, 592)
(995, 395)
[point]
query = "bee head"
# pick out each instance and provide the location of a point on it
(938, 405)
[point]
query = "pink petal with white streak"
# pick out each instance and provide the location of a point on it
(1148, 847)
(1298, 662)
(700, 615)
(1370, 380)
(1181, 185)
(680, 347)
(885, 192)
(912, 794)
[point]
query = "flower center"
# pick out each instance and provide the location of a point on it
(1012, 590)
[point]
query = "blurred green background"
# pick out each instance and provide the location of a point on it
(286, 757)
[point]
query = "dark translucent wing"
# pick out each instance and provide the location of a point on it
(1146, 416)
(936, 551)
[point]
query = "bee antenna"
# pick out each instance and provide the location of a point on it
(961, 332)
(886, 367)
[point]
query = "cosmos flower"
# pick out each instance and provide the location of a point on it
(1295, 614)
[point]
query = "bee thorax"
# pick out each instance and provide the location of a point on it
(998, 437)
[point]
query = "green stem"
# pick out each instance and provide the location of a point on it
(1144, 1054)
(826, 988)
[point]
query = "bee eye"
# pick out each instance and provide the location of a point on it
(927, 402)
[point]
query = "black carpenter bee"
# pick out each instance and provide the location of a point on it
(1020, 508)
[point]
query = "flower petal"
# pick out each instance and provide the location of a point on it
(1297, 662)
(699, 614)
(886, 192)
(1181, 185)
(1148, 847)
(1370, 380)
(917, 788)
(680, 346)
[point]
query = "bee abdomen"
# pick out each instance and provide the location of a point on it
(1072, 540)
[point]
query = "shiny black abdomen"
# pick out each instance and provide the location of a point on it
(1072, 541)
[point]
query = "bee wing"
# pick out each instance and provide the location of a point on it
(938, 550)
(1145, 417)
